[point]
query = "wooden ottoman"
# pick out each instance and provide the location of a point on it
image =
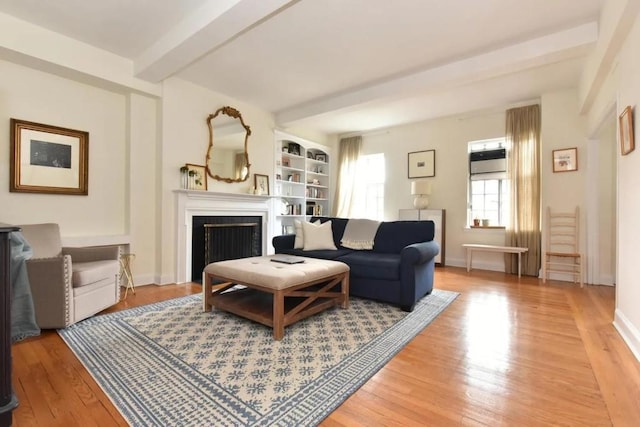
(275, 294)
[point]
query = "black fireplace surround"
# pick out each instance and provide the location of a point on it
(231, 247)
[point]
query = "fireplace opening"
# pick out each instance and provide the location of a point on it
(221, 238)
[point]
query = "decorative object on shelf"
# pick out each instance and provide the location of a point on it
(184, 177)
(286, 162)
(321, 157)
(284, 207)
(294, 148)
(420, 190)
(565, 160)
(627, 144)
(48, 159)
(229, 144)
(422, 164)
(196, 177)
(261, 183)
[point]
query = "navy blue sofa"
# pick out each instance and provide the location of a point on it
(399, 270)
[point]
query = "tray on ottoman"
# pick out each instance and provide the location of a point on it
(275, 294)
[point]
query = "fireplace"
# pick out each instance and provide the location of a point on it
(236, 207)
(220, 238)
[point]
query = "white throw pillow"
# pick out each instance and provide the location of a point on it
(317, 237)
(297, 224)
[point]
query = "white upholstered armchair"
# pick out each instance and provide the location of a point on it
(69, 284)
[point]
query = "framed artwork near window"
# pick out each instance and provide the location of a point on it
(422, 164)
(565, 160)
(48, 159)
(625, 122)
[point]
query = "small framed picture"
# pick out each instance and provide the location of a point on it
(261, 182)
(321, 157)
(422, 164)
(565, 160)
(625, 120)
(197, 177)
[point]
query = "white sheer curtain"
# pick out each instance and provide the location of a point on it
(348, 155)
(524, 229)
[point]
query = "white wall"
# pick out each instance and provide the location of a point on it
(185, 139)
(32, 95)
(562, 127)
(606, 204)
(143, 185)
(627, 317)
(449, 137)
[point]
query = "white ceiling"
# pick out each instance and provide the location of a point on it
(341, 65)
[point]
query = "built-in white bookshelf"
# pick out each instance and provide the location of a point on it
(301, 181)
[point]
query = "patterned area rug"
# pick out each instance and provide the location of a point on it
(169, 363)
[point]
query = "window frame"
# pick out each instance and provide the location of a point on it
(503, 191)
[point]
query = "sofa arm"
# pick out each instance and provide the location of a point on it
(93, 253)
(52, 291)
(419, 253)
(283, 242)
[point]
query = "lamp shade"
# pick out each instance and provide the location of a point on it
(420, 187)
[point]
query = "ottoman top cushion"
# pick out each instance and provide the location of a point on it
(261, 271)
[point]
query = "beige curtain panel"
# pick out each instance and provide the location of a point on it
(524, 229)
(348, 155)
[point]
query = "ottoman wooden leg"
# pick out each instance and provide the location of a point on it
(278, 315)
(345, 290)
(206, 293)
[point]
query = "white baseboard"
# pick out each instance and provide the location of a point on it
(607, 280)
(628, 332)
(143, 279)
(477, 265)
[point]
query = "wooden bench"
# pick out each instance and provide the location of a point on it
(470, 247)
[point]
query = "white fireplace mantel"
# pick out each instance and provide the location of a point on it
(190, 203)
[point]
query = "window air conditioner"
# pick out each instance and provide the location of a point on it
(489, 161)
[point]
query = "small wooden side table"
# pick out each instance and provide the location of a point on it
(125, 269)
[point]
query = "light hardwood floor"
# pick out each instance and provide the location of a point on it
(508, 351)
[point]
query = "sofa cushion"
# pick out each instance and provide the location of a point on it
(337, 228)
(318, 237)
(86, 273)
(373, 265)
(393, 236)
(297, 224)
(322, 254)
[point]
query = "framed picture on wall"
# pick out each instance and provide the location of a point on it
(625, 122)
(48, 159)
(422, 164)
(565, 160)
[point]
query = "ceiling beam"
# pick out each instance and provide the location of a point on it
(205, 30)
(556, 47)
(32, 46)
(616, 19)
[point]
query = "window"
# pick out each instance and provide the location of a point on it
(369, 191)
(488, 184)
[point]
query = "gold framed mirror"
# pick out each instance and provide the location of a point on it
(228, 159)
